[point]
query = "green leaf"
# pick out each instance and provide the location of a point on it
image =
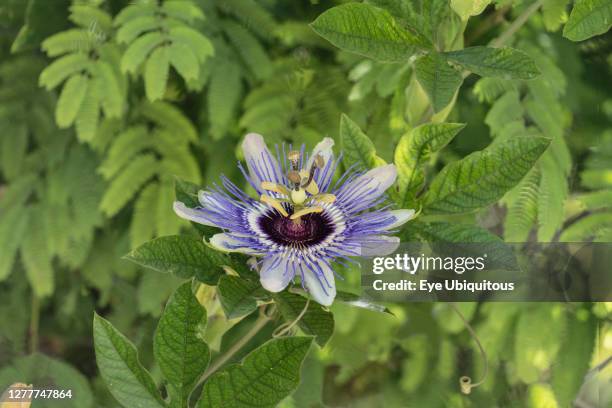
(156, 73)
(186, 192)
(138, 51)
(587, 19)
(588, 227)
(551, 197)
(125, 377)
(62, 68)
(238, 296)
(268, 375)
(198, 44)
(184, 61)
(35, 255)
(355, 300)
(505, 62)
(136, 26)
(41, 370)
(126, 145)
(180, 352)
(356, 145)
(223, 96)
(183, 256)
(467, 8)
(171, 118)
(70, 100)
(13, 150)
(89, 114)
(554, 13)
(570, 368)
(111, 94)
(453, 232)
(250, 49)
(41, 20)
(522, 204)
(316, 321)
(483, 177)
(366, 30)
(596, 200)
(536, 342)
(463, 238)
(127, 183)
(438, 79)
(413, 152)
(13, 226)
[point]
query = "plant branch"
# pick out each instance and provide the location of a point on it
(259, 324)
(492, 20)
(516, 24)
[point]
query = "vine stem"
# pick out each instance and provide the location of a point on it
(465, 382)
(516, 24)
(34, 321)
(259, 324)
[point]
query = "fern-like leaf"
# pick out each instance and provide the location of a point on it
(139, 50)
(141, 227)
(62, 68)
(126, 145)
(123, 188)
(70, 100)
(156, 73)
(223, 95)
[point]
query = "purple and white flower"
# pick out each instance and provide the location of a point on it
(301, 223)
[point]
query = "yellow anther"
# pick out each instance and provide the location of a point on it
(274, 203)
(308, 210)
(294, 177)
(319, 161)
(277, 188)
(294, 158)
(324, 198)
(312, 188)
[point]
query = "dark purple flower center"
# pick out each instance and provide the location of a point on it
(311, 229)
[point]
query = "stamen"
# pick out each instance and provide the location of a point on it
(308, 210)
(295, 178)
(294, 159)
(324, 198)
(274, 203)
(312, 188)
(317, 163)
(277, 188)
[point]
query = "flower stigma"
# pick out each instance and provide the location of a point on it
(304, 192)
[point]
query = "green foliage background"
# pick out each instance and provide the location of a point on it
(104, 103)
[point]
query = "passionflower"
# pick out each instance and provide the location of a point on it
(301, 223)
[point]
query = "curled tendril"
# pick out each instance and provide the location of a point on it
(287, 326)
(465, 382)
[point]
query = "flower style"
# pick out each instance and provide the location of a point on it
(301, 223)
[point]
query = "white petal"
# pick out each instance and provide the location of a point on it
(321, 288)
(324, 148)
(258, 156)
(275, 274)
(380, 178)
(226, 243)
(360, 193)
(401, 217)
(379, 245)
(190, 214)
